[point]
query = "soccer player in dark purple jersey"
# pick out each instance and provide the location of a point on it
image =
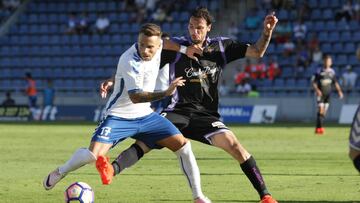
(194, 108)
(322, 82)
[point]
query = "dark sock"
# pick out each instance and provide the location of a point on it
(128, 158)
(254, 175)
(319, 120)
(356, 162)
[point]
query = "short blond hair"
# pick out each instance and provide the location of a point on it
(150, 29)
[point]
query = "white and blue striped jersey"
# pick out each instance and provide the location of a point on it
(133, 74)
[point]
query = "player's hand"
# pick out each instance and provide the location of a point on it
(270, 23)
(318, 93)
(174, 84)
(105, 86)
(192, 50)
(341, 95)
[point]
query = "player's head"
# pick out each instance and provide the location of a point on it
(28, 75)
(327, 60)
(149, 40)
(199, 25)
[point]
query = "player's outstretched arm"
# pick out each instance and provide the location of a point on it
(141, 96)
(190, 51)
(105, 86)
(258, 49)
(338, 88)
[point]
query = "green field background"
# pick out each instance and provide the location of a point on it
(297, 165)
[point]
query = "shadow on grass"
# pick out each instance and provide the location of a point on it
(223, 174)
(250, 201)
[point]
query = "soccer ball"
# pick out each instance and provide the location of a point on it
(79, 192)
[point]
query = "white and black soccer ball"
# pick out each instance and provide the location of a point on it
(79, 192)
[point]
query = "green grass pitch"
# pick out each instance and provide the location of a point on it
(297, 166)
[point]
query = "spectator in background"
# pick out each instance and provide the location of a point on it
(273, 70)
(349, 79)
(129, 6)
(31, 92)
(288, 48)
(83, 26)
(300, 30)
(240, 76)
(252, 21)
(346, 12)
(48, 103)
(252, 70)
(302, 61)
(358, 53)
(11, 5)
(102, 24)
(283, 32)
(160, 14)
(317, 55)
(243, 88)
(8, 100)
(313, 43)
(72, 24)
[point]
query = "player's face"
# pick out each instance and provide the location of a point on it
(148, 46)
(327, 62)
(198, 30)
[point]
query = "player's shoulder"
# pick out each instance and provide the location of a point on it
(130, 57)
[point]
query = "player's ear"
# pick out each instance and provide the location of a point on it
(209, 28)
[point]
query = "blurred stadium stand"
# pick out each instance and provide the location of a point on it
(37, 42)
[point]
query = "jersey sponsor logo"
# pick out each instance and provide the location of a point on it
(190, 72)
(218, 124)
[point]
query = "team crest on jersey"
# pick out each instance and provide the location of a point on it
(218, 124)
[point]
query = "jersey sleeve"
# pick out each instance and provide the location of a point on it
(234, 49)
(167, 56)
(130, 71)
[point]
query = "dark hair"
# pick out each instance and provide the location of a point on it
(202, 12)
(150, 29)
(28, 75)
(165, 35)
(326, 56)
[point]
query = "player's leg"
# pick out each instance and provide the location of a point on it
(229, 143)
(129, 157)
(209, 130)
(157, 130)
(182, 148)
(320, 116)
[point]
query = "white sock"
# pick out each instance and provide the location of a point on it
(81, 157)
(190, 169)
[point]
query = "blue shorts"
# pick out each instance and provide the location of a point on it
(149, 129)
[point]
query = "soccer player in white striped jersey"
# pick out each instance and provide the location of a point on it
(128, 114)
